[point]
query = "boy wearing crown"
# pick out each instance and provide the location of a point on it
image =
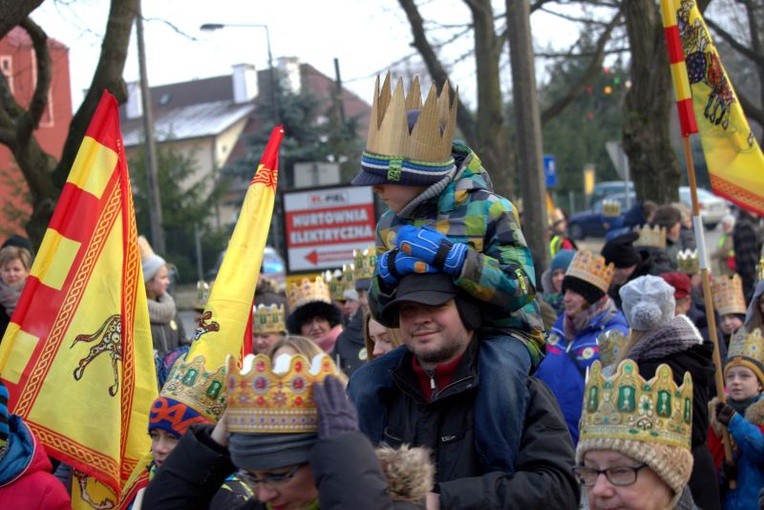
(443, 216)
(743, 416)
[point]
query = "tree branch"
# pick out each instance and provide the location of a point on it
(755, 57)
(14, 12)
(30, 119)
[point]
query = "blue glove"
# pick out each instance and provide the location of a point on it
(431, 246)
(394, 265)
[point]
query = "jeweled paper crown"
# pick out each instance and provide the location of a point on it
(190, 384)
(592, 269)
(626, 406)
(611, 344)
(687, 261)
(334, 280)
(348, 278)
(651, 236)
(760, 270)
(268, 399)
(308, 291)
(727, 294)
(268, 319)
(611, 208)
(430, 139)
(745, 346)
(364, 262)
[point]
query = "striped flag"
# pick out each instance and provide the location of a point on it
(228, 311)
(734, 158)
(77, 357)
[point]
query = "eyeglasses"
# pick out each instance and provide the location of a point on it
(276, 479)
(618, 476)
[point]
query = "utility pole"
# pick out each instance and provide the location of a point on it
(155, 199)
(528, 120)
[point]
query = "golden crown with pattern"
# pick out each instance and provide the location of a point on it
(626, 406)
(191, 384)
(430, 138)
(348, 278)
(611, 208)
(651, 236)
(364, 262)
(335, 281)
(747, 349)
(274, 398)
(307, 291)
(592, 269)
(687, 261)
(611, 344)
(268, 319)
(760, 270)
(727, 294)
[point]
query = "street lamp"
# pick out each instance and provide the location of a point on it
(271, 71)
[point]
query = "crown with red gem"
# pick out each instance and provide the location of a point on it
(275, 398)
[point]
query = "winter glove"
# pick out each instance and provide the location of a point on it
(728, 474)
(336, 413)
(431, 246)
(724, 413)
(394, 265)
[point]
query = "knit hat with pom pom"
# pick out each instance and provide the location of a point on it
(647, 302)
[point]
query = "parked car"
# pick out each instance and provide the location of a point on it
(605, 188)
(590, 223)
(712, 208)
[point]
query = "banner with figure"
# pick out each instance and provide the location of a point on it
(734, 158)
(77, 357)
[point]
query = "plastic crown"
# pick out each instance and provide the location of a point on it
(611, 344)
(190, 384)
(651, 236)
(307, 291)
(592, 269)
(275, 399)
(268, 319)
(626, 406)
(431, 136)
(611, 208)
(727, 294)
(747, 345)
(687, 261)
(364, 262)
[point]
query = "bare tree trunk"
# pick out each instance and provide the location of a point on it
(14, 12)
(649, 105)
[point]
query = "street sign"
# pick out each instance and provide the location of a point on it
(550, 171)
(324, 226)
(619, 158)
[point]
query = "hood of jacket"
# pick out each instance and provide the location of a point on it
(470, 176)
(24, 454)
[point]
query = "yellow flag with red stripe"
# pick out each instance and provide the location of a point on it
(77, 357)
(702, 86)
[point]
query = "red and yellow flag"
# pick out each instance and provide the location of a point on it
(708, 105)
(77, 357)
(229, 309)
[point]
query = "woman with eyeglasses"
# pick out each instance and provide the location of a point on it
(634, 448)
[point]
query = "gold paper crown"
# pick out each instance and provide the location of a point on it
(687, 261)
(611, 344)
(626, 406)
(431, 137)
(348, 278)
(268, 319)
(592, 269)
(307, 292)
(335, 281)
(364, 262)
(747, 349)
(202, 295)
(651, 236)
(611, 208)
(275, 399)
(190, 384)
(760, 270)
(727, 294)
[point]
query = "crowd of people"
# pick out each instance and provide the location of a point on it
(443, 369)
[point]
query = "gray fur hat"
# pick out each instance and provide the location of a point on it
(647, 302)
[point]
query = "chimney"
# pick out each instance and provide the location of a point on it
(289, 69)
(244, 83)
(134, 104)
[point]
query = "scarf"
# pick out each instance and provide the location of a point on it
(162, 310)
(742, 406)
(572, 325)
(328, 341)
(676, 335)
(9, 296)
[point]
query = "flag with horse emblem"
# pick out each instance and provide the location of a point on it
(77, 357)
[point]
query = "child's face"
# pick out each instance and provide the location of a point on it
(730, 323)
(14, 273)
(557, 277)
(742, 383)
(396, 196)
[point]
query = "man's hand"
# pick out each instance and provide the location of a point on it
(431, 246)
(394, 265)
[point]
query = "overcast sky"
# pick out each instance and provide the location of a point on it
(365, 35)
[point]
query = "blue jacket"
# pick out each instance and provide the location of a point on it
(564, 376)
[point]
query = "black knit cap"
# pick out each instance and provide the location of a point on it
(590, 292)
(621, 251)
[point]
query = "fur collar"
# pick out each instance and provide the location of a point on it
(754, 414)
(409, 472)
